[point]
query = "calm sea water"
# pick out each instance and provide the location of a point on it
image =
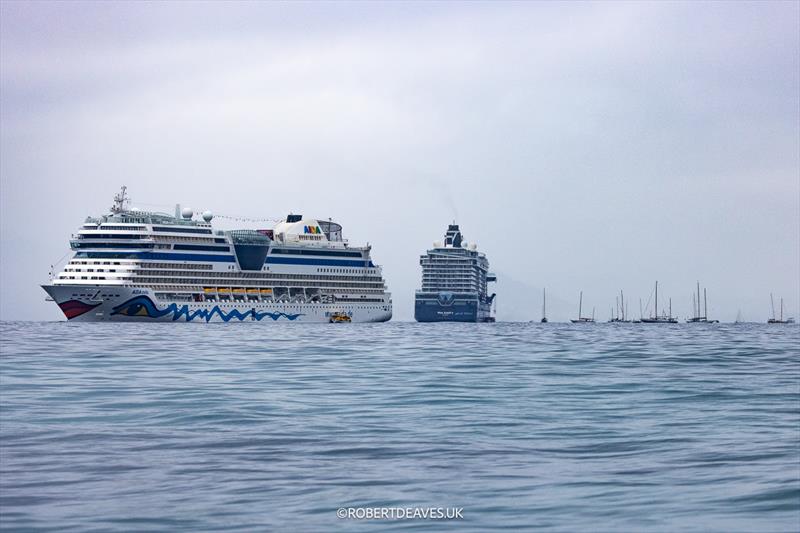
(256, 427)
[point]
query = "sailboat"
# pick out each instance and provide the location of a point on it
(663, 318)
(620, 316)
(544, 307)
(641, 313)
(582, 319)
(738, 317)
(780, 320)
(697, 318)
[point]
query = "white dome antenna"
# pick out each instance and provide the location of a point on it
(187, 213)
(207, 216)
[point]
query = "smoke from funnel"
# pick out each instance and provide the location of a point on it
(443, 192)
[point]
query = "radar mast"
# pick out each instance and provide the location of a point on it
(120, 201)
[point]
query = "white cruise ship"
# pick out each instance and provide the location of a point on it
(134, 265)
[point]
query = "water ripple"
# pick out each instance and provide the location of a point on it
(251, 427)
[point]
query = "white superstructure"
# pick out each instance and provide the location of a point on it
(143, 266)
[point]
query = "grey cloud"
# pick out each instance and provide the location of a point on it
(582, 146)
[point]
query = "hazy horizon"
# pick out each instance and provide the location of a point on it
(584, 147)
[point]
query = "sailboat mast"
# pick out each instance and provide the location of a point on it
(544, 303)
(698, 300)
(580, 305)
(772, 302)
(705, 304)
(670, 308)
(781, 309)
(656, 299)
(622, 304)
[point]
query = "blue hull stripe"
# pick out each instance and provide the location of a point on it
(166, 256)
(231, 259)
(272, 260)
(427, 310)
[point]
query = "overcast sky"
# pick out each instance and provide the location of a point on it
(582, 146)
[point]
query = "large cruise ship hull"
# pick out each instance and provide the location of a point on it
(446, 307)
(102, 303)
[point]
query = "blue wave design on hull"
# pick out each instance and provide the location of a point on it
(145, 307)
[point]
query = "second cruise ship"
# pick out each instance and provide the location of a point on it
(134, 265)
(454, 282)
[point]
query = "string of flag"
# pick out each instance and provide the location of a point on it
(236, 218)
(247, 219)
